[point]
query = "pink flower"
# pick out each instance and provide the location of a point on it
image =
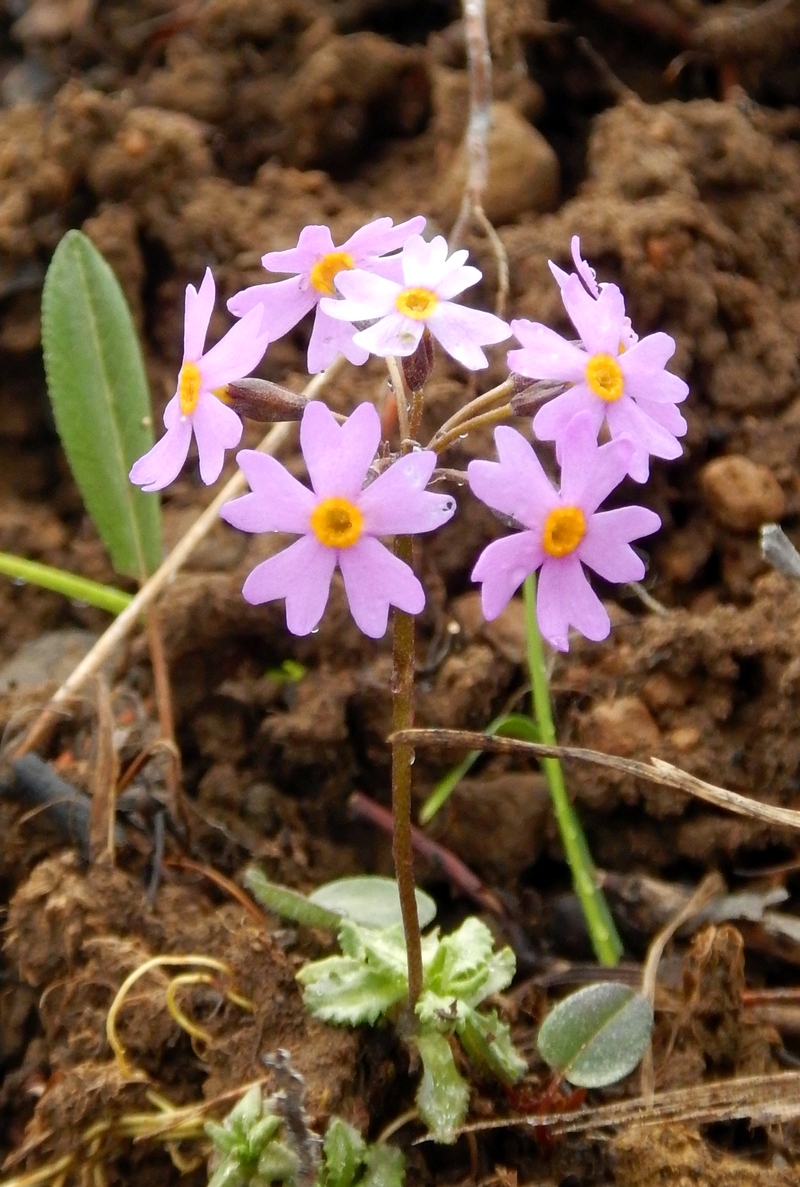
(564, 529)
(316, 262)
(627, 388)
(195, 408)
(338, 521)
(587, 281)
(422, 299)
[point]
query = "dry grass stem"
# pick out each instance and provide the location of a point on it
(663, 773)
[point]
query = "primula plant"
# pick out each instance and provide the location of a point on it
(369, 981)
(606, 402)
(252, 1147)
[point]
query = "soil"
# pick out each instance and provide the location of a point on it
(178, 136)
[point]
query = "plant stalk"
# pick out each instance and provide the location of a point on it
(602, 931)
(402, 758)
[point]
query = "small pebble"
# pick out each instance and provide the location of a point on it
(741, 494)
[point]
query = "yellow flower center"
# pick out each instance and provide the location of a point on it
(222, 395)
(417, 303)
(564, 529)
(189, 387)
(330, 265)
(336, 522)
(604, 376)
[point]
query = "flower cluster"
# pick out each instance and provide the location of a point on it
(378, 293)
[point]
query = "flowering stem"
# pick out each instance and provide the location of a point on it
(401, 398)
(403, 664)
(402, 759)
(602, 931)
(106, 597)
(496, 417)
(481, 403)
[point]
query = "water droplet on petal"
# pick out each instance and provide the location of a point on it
(315, 630)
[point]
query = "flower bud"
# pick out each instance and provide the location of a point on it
(417, 367)
(529, 394)
(258, 399)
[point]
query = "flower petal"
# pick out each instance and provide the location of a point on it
(236, 354)
(599, 323)
(338, 456)
(374, 580)
(283, 304)
(626, 416)
(456, 281)
(162, 464)
(397, 504)
(277, 501)
(606, 545)
(198, 307)
(462, 331)
(302, 575)
(590, 472)
(667, 415)
(330, 337)
(516, 485)
(216, 428)
(553, 418)
(394, 334)
(367, 296)
(644, 381)
(380, 236)
(424, 264)
(565, 598)
(313, 242)
(503, 566)
(545, 354)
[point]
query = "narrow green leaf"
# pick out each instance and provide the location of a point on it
(80, 589)
(443, 1094)
(344, 1150)
(507, 725)
(289, 904)
(598, 1035)
(98, 389)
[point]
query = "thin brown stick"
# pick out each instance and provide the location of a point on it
(461, 876)
(663, 773)
(497, 416)
(125, 623)
(482, 403)
(765, 1100)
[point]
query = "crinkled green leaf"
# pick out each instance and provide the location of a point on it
(343, 1152)
(443, 1095)
(439, 1012)
(370, 900)
(347, 992)
(101, 404)
(277, 1164)
(598, 1035)
(488, 1043)
(466, 967)
(383, 947)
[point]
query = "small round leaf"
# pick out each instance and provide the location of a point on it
(370, 900)
(598, 1035)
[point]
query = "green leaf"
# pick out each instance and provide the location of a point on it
(488, 1043)
(370, 900)
(343, 1151)
(465, 966)
(443, 1095)
(289, 904)
(598, 1035)
(507, 725)
(98, 389)
(386, 1166)
(348, 992)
